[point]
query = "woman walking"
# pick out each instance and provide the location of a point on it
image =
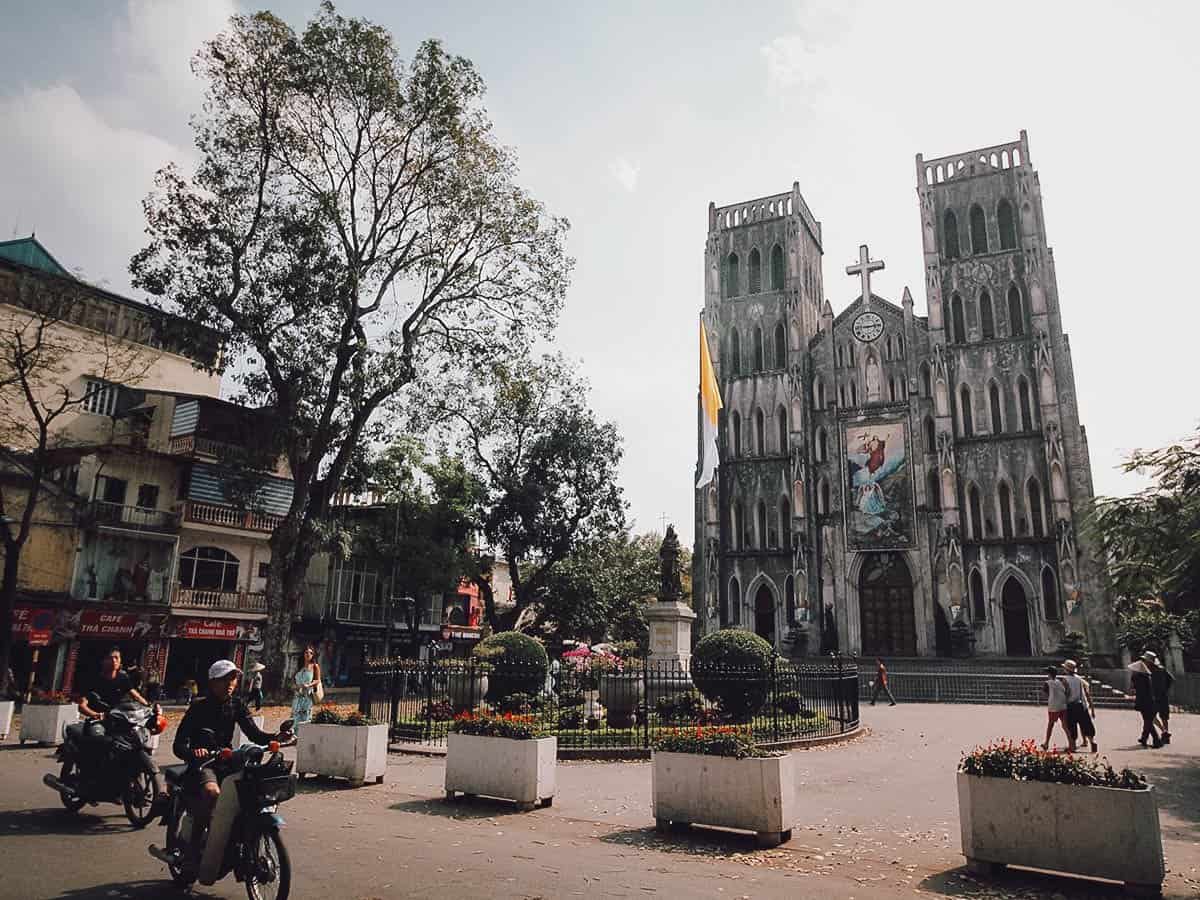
(308, 681)
(255, 693)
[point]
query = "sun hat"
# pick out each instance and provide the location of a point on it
(1069, 664)
(221, 668)
(257, 667)
(1150, 656)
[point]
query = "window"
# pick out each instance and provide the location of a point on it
(950, 235)
(758, 349)
(933, 495)
(761, 522)
(208, 569)
(850, 353)
(1006, 524)
(789, 593)
(1049, 595)
(731, 276)
(958, 327)
(976, 512)
(264, 570)
(99, 397)
(737, 527)
(853, 393)
(1035, 508)
(781, 423)
(819, 391)
(994, 403)
(760, 433)
(780, 347)
(111, 490)
(841, 357)
(965, 413)
(735, 600)
(1026, 406)
(899, 347)
(926, 381)
(822, 445)
(755, 272)
(735, 353)
(978, 600)
(785, 523)
(979, 242)
(887, 347)
(930, 435)
(147, 496)
(1008, 232)
(987, 324)
(735, 426)
(777, 268)
(1016, 315)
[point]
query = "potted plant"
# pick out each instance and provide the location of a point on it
(45, 716)
(503, 756)
(715, 775)
(352, 746)
(1020, 805)
(619, 682)
(466, 682)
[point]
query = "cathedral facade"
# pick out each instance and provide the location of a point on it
(893, 484)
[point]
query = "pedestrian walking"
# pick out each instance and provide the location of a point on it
(1143, 697)
(1055, 690)
(1160, 682)
(1080, 711)
(308, 686)
(255, 691)
(881, 683)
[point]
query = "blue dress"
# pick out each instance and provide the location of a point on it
(303, 702)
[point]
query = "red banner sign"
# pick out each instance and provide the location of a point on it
(96, 624)
(215, 629)
(33, 625)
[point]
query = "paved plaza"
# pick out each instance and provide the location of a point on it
(879, 819)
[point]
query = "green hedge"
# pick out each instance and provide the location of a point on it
(520, 664)
(730, 668)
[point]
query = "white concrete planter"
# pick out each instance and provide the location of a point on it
(1095, 831)
(520, 770)
(45, 724)
(355, 752)
(6, 714)
(756, 795)
(239, 738)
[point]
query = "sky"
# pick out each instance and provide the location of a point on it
(629, 118)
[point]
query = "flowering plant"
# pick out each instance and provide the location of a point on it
(711, 740)
(1026, 761)
(507, 725)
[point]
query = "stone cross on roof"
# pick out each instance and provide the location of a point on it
(865, 267)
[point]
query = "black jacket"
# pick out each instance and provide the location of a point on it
(1143, 692)
(221, 716)
(1161, 680)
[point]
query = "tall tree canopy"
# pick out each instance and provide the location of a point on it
(351, 222)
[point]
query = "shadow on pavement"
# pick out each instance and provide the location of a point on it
(56, 820)
(1176, 780)
(475, 808)
(1024, 883)
(697, 840)
(134, 890)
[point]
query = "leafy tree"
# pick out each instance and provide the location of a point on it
(548, 467)
(352, 222)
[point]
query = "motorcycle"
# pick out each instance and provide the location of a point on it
(112, 765)
(244, 831)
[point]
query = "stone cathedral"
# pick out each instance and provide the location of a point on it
(892, 484)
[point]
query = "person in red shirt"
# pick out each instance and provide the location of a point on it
(881, 683)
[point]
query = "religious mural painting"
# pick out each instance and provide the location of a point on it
(879, 514)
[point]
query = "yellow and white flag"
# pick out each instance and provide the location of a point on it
(710, 404)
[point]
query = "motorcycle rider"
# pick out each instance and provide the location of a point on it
(114, 686)
(219, 711)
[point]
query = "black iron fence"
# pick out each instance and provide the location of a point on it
(617, 710)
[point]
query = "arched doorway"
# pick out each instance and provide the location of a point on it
(941, 627)
(1016, 619)
(885, 603)
(764, 614)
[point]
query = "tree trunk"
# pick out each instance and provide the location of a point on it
(290, 556)
(8, 599)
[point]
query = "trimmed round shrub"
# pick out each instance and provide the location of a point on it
(519, 664)
(730, 668)
(684, 707)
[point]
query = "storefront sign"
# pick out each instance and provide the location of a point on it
(94, 624)
(33, 625)
(214, 630)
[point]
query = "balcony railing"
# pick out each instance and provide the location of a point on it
(195, 445)
(360, 613)
(229, 601)
(134, 518)
(228, 517)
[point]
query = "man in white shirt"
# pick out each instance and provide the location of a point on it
(1080, 711)
(1055, 690)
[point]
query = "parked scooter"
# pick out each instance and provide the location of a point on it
(244, 832)
(111, 763)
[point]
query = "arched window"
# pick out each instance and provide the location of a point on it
(822, 445)
(755, 272)
(950, 235)
(737, 527)
(819, 393)
(823, 498)
(1049, 595)
(899, 347)
(1016, 315)
(958, 326)
(1025, 404)
(735, 428)
(1008, 231)
(208, 569)
(994, 403)
(1006, 523)
(933, 491)
(964, 411)
(887, 347)
(1034, 492)
(892, 390)
(758, 350)
(735, 353)
(987, 324)
(732, 287)
(733, 613)
(979, 243)
(978, 599)
(785, 523)
(761, 517)
(850, 352)
(780, 347)
(781, 423)
(976, 511)
(926, 382)
(930, 435)
(841, 357)
(853, 393)
(789, 594)
(777, 268)
(760, 433)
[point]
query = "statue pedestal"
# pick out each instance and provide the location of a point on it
(670, 632)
